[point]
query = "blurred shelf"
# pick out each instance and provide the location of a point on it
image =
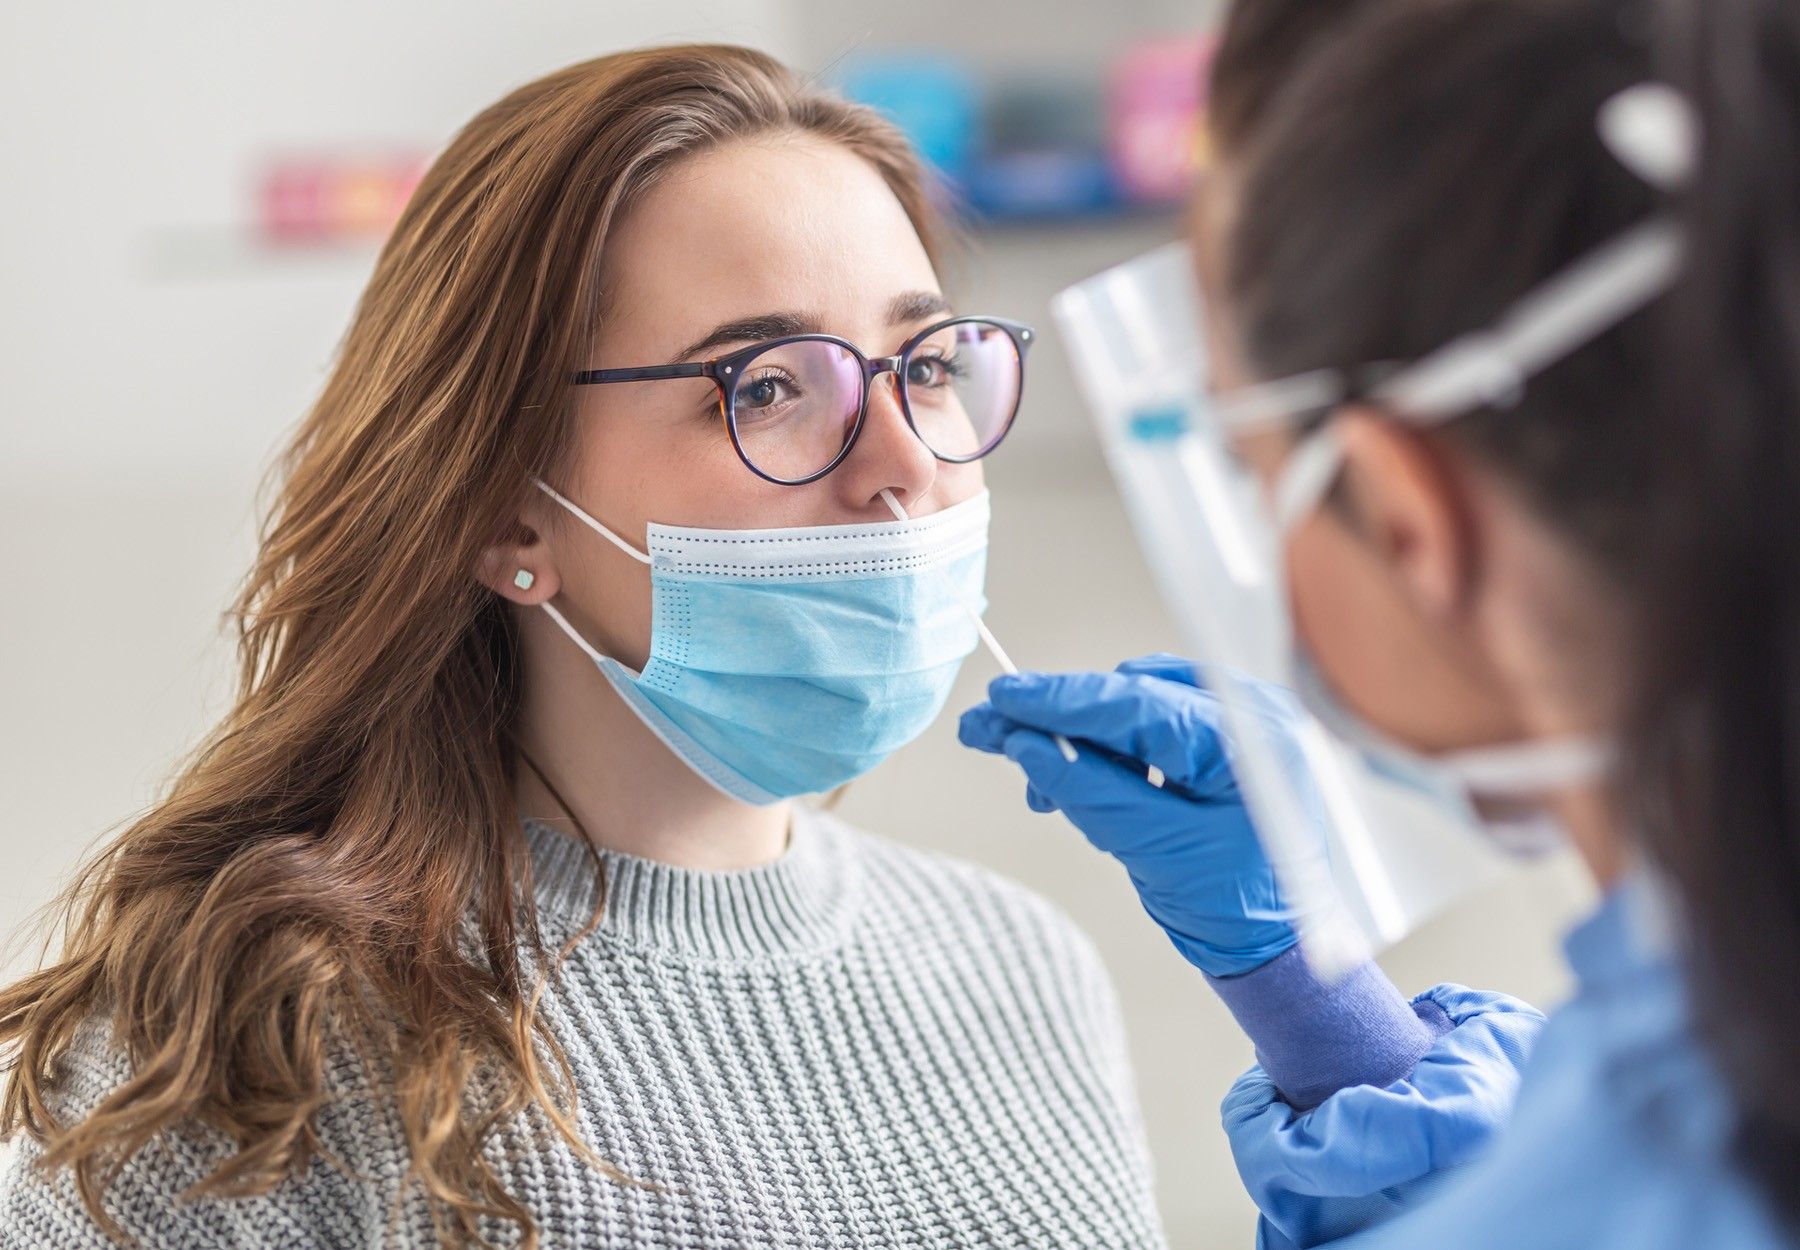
(1117, 221)
(190, 253)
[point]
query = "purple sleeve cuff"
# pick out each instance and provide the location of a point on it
(1314, 1037)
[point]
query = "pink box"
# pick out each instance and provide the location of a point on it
(1156, 103)
(332, 198)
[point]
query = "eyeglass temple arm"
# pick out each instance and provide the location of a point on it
(644, 373)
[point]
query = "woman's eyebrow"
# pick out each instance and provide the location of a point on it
(770, 325)
(916, 306)
(907, 307)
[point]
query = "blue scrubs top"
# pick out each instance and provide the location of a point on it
(1619, 1136)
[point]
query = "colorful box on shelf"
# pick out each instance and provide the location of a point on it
(1045, 142)
(933, 98)
(1156, 111)
(1043, 151)
(334, 198)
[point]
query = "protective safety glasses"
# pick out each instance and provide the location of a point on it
(794, 407)
(1487, 369)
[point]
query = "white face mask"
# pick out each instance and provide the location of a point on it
(1216, 541)
(1497, 789)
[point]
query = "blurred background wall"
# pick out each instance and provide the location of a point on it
(193, 191)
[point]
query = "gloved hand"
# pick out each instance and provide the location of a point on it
(1189, 846)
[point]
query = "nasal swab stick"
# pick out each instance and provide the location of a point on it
(1012, 670)
(987, 635)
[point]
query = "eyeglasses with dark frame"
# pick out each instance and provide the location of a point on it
(792, 401)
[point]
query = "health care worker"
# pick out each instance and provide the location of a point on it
(1506, 331)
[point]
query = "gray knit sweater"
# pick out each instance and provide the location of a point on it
(858, 1045)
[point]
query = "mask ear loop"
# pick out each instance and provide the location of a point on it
(1308, 474)
(582, 515)
(562, 623)
(1541, 767)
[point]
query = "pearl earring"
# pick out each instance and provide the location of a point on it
(523, 579)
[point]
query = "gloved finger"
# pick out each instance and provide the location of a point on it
(1173, 726)
(1165, 665)
(1120, 812)
(984, 729)
(1276, 703)
(1037, 798)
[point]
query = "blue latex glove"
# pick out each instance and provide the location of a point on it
(1189, 847)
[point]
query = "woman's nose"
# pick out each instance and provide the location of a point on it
(887, 455)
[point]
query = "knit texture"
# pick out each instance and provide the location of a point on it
(858, 1045)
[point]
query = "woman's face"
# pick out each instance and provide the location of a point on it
(779, 235)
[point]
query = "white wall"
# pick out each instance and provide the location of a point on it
(138, 340)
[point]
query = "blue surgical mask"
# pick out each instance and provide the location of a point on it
(790, 661)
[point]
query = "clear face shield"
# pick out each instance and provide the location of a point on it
(1367, 838)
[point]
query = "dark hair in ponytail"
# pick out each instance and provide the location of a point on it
(1410, 185)
(1720, 712)
(1416, 181)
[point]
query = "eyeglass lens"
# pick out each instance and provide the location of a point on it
(796, 404)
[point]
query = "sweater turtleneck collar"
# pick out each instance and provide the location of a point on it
(802, 901)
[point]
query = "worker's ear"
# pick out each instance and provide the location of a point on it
(1410, 503)
(1382, 579)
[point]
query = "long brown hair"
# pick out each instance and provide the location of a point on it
(342, 858)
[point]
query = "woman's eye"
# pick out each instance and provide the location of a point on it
(761, 395)
(932, 370)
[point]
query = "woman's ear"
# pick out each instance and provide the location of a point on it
(518, 566)
(1412, 506)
